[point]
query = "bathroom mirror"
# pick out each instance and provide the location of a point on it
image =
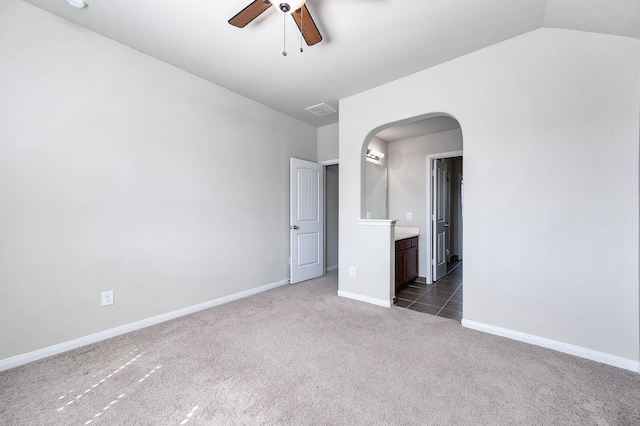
(376, 191)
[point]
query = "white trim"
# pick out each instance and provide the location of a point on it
(332, 268)
(429, 227)
(579, 351)
(18, 360)
(329, 162)
(361, 298)
(376, 222)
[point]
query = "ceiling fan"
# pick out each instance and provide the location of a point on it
(296, 8)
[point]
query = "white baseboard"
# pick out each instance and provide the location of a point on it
(18, 360)
(361, 298)
(579, 351)
(332, 268)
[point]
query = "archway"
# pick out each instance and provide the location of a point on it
(397, 164)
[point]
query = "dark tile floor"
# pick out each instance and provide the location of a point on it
(443, 298)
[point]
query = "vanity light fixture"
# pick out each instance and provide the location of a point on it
(374, 155)
(78, 3)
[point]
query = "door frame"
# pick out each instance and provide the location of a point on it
(308, 272)
(429, 227)
(326, 163)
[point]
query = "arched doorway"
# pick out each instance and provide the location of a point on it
(400, 185)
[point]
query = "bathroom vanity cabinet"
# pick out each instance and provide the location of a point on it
(406, 260)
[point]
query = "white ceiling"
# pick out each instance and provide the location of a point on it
(366, 42)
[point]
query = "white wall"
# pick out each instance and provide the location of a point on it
(546, 117)
(328, 143)
(118, 171)
(408, 181)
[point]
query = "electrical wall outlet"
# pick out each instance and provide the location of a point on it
(107, 298)
(409, 216)
(368, 215)
(352, 271)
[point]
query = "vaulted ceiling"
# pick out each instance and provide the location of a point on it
(366, 42)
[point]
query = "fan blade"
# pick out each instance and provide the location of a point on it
(249, 13)
(307, 26)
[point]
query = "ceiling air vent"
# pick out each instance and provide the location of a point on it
(320, 110)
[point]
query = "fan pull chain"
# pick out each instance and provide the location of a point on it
(301, 18)
(284, 38)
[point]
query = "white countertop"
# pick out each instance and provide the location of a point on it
(405, 235)
(403, 232)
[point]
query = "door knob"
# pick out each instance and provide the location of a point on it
(294, 227)
(446, 225)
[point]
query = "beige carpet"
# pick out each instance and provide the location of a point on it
(299, 355)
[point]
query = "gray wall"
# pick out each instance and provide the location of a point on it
(118, 171)
(332, 175)
(456, 208)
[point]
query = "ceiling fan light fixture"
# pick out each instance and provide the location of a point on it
(78, 3)
(288, 7)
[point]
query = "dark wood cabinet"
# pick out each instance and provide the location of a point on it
(406, 261)
(401, 268)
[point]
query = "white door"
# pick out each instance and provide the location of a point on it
(306, 220)
(440, 224)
